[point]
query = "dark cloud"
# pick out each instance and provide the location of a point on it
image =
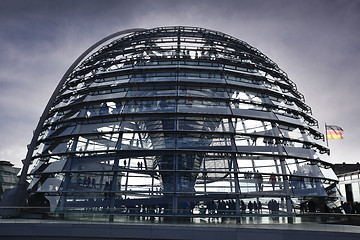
(315, 42)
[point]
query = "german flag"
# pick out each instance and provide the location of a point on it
(334, 132)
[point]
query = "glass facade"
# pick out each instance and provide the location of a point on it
(174, 120)
(8, 178)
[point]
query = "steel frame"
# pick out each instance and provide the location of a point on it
(97, 104)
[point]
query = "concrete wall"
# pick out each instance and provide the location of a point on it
(69, 231)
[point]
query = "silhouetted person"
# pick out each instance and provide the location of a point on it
(250, 206)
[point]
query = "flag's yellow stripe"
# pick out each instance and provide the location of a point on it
(334, 136)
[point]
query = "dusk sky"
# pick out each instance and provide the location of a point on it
(317, 43)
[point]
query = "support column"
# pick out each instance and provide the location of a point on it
(237, 186)
(286, 189)
(67, 175)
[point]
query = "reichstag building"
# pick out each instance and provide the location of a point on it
(177, 120)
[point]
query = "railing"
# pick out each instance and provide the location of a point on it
(167, 216)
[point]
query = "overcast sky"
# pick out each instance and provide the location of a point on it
(317, 43)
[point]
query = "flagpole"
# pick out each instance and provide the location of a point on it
(327, 141)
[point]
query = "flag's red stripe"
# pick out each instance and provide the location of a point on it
(335, 132)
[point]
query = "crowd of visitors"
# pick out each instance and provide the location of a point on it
(212, 207)
(351, 207)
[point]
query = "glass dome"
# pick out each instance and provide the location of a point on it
(176, 119)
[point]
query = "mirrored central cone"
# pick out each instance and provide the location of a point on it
(187, 165)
